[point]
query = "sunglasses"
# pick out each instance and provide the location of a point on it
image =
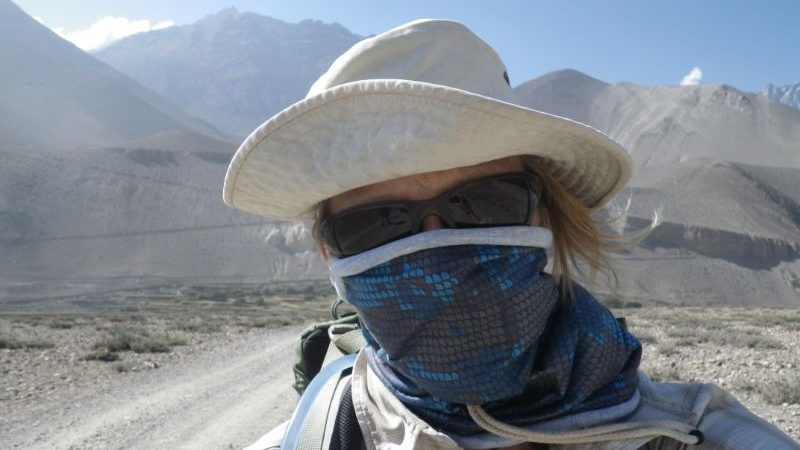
(499, 200)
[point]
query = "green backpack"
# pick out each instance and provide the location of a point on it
(324, 342)
(324, 418)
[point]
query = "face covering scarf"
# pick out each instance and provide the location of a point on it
(459, 317)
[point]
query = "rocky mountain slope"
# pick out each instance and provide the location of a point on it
(54, 94)
(110, 218)
(788, 94)
(757, 201)
(565, 93)
(667, 124)
(105, 184)
(233, 69)
(722, 169)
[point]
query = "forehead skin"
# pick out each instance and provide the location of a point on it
(421, 186)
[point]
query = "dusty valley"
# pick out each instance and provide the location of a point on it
(202, 368)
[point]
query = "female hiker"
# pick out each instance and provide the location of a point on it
(436, 200)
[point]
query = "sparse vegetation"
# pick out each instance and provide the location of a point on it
(102, 354)
(748, 351)
(62, 323)
(616, 302)
(264, 322)
(258, 323)
(138, 341)
(688, 341)
(780, 391)
(792, 280)
(667, 350)
(122, 367)
(685, 336)
(755, 341)
(199, 325)
(670, 374)
(644, 337)
(17, 344)
(789, 319)
(32, 320)
(237, 302)
(125, 318)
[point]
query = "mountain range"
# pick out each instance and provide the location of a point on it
(233, 69)
(52, 93)
(722, 169)
(788, 94)
(668, 124)
(105, 184)
(126, 190)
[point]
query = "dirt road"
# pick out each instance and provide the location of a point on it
(226, 388)
(215, 400)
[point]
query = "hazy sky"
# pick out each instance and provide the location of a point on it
(744, 43)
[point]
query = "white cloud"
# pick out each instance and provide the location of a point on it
(109, 29)
(693, 77)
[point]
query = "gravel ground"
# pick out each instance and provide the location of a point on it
(224, 381)
(754, 353)
(223, 391)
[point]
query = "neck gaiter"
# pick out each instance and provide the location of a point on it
(458, 317)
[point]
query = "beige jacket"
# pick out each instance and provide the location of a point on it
(665, 417)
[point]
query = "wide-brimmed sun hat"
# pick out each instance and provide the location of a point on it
(426, 96)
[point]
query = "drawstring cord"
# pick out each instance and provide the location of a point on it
(681, 432)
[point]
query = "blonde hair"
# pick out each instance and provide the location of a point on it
(578, 241)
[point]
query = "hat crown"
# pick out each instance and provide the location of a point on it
(442, 52)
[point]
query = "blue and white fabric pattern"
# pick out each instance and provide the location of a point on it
(463, 317)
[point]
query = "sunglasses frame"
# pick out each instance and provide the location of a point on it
(419, 209)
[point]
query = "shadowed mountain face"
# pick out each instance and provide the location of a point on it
(565, 93)
(54, 94)
(232, 69)
(789, 94)
(110, 218)
(747, 215)
(105, 184)
(740, 198)
(722, 167)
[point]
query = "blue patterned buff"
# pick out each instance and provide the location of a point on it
(483, 324)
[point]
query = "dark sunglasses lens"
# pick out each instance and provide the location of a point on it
(497, 202)
(361, 230)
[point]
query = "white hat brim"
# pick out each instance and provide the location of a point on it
(370, 131)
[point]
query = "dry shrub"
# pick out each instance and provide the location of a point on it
(753, 340)
(138, 341)
(62, 324)
(18, 344)
(122, 367)
(667, 349)
(644, 337)
(659, 374)
(685, 337)
(781, 390)
(199, 325)
(102, 354)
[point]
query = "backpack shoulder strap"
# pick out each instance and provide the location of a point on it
(347, 431)
(312, 423)
(315, 342)
(344, 340)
